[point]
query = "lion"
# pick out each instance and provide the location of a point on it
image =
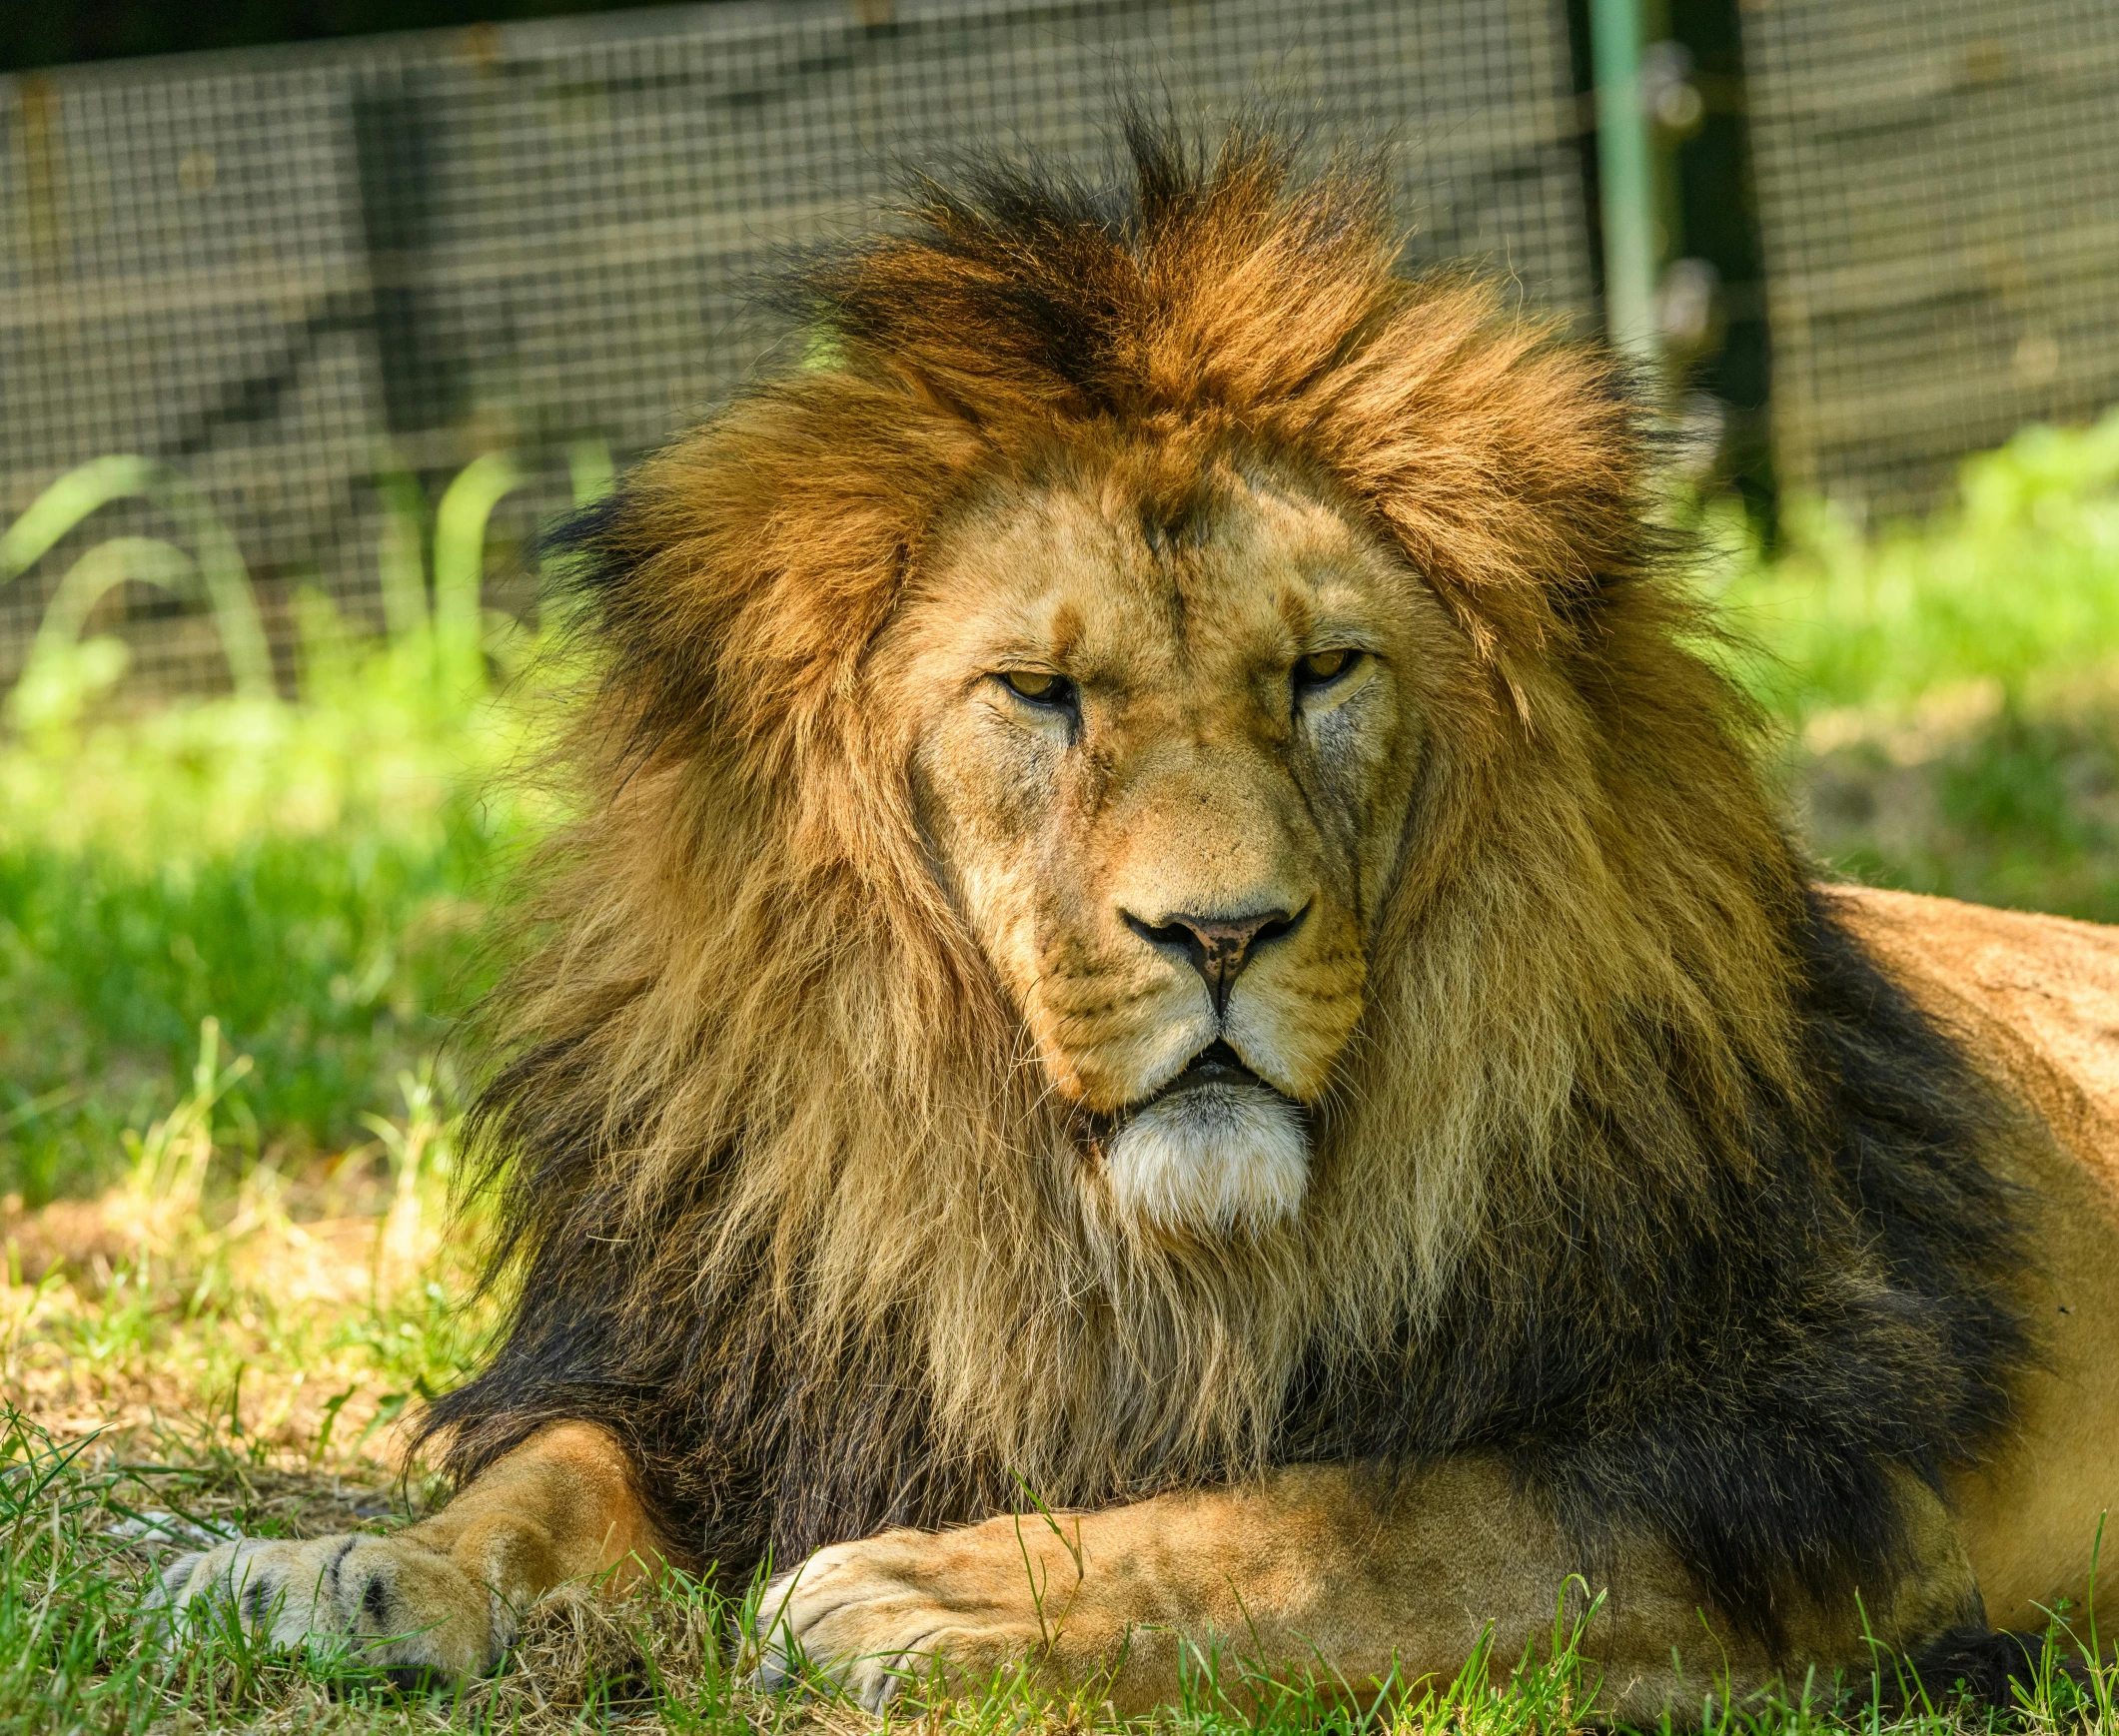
(1180, 1020)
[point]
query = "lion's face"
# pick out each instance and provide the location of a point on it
(1164, 764)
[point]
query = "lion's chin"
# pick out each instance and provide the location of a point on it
(1212, 1160)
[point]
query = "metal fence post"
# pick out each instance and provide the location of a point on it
(1624, 178)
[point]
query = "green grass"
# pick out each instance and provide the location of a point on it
(233, 933)
(1950, 690)
(317, 876)
(2014, 585)
(77, 1652)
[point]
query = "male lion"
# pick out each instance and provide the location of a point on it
(1171, 919)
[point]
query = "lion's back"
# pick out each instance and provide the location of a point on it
(2037, 1001)
(2037, 998)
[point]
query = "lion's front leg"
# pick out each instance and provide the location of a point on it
(442, 1598)
(1308, 1576)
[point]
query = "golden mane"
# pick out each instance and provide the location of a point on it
(781, 1179)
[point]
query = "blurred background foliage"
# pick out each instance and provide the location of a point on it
(316, 872)
(1947, 689)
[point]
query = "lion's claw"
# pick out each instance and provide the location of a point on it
(384, 1603)
(876, 1617)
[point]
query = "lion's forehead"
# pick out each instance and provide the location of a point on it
(1105, 586)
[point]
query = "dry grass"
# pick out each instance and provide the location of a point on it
(290, 1316)
(1997, 795)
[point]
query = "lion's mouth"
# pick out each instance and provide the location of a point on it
(1217, 1063)
(1216, 1072)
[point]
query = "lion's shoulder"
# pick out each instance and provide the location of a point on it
(2034, 996)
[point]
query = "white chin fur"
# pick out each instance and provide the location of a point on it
(1212, 1160)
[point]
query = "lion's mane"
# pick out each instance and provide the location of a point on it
(1639, 1172)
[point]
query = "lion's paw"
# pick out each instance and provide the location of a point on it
(905, 1609)
(384, 1603)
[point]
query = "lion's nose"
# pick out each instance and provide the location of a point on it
(1218, 946)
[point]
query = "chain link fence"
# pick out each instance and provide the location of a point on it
(1939, 193)
(317, 280)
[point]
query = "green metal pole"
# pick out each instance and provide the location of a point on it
(1625, 175)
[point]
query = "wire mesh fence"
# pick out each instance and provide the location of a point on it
(322, 281)
(1938, 189)
(319, 282)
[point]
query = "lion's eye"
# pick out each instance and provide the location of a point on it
(1320, 667)
(1039, 687)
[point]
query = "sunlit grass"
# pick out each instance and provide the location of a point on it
(1950, 689)
(317, 876)
(81, 1525)
(2012, 586)
(294, 1311)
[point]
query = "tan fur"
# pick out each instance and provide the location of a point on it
(1300, 1580)
(2038, 1000)
(785, 918)
(1305, 1574)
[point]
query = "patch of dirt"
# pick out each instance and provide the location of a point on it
(2004, 800)
(156, 1322)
